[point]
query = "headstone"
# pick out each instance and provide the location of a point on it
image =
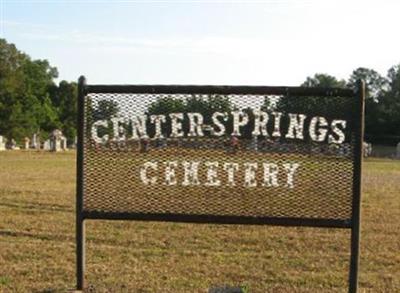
(35, 142)
(369, 149)
(26, 143)
(144, 145)
(234, 144)
(398, 151)
(63, 143)
(55, 140)
(254, 143)
(365, 149)
(12, 145)
(158, 143)
(56, 147)
(2, 143)
(47, 145)
(75, 143)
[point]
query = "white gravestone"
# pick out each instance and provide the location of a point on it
(63, 143)
(55, 140)
(2, 143)
(26, 143)
(55, 145)
(367, 149)
(47, 145)
(35, 142)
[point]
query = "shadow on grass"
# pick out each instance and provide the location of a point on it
(38, 207)
(63, 238)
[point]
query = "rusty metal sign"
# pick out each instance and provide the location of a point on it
(220, 154)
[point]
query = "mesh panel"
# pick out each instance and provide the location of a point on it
(239, 155)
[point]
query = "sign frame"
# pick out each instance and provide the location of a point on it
(354, 224)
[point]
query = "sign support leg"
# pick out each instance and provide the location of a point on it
(80, 254)
(355, 226)
(80, 225)
(354, 260)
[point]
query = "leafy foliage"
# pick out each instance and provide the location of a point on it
(323, 80)
(30, 101)
(328, 107)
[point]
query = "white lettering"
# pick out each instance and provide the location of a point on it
(338, 131)
(290, 169)
(170, 175)
(157, 120)
(212, 174)
(139, 127)
(143, 173)
(191, 176)
(218, 123)
(239, 119)
(94, 131)
(296, 126)
(176, 124)
(195, 122)
(320, 133)
(277, 124)
(250, 174)
(231, 168)
(260, 123)
(270, 174)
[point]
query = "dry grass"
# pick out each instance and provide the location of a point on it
(37, 241)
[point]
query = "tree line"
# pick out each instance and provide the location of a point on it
(382, 104)
(31, 101)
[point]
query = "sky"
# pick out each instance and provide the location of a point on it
(267, 42)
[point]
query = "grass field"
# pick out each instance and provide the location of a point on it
(37, 200)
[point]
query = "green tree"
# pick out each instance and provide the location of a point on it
(389, 108)
(25, 106)
(375, 88)
(105, 110)
(375, 84)
(323, 80)
(167, 105)
(325, 106)
(64, 98)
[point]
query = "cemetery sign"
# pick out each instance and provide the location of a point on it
(220, 154)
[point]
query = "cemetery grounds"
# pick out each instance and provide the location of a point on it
(37, 241)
